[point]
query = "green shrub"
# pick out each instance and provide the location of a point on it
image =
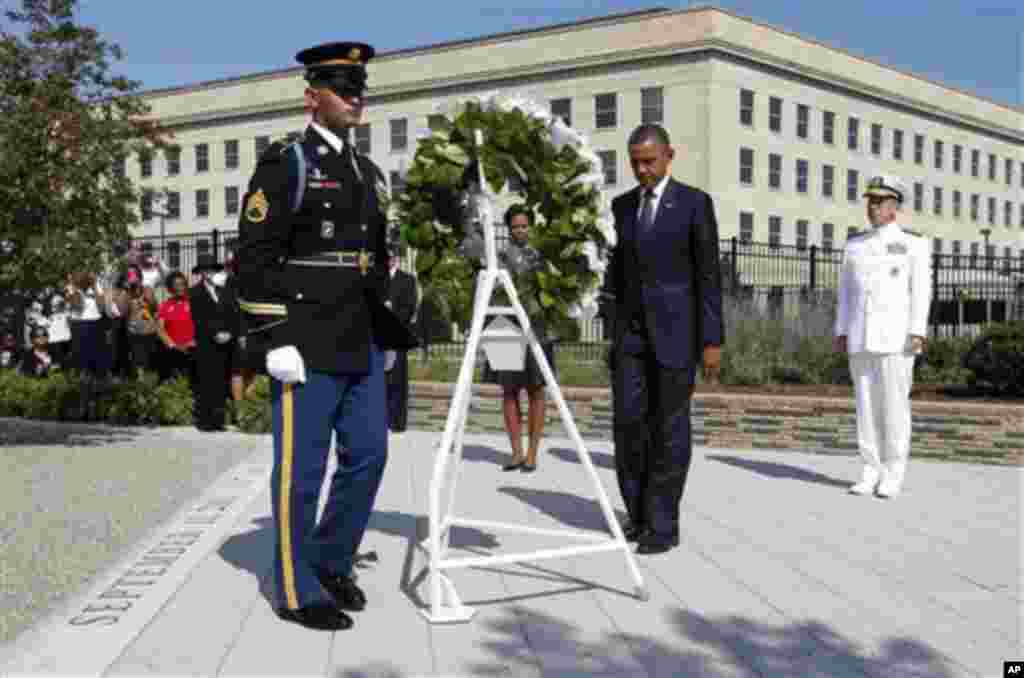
(254, 414)
(996, 358)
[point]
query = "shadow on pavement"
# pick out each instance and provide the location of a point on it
(776, 470)
(30, 432)
(600, 459)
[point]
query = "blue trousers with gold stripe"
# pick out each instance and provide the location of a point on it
(305, 416)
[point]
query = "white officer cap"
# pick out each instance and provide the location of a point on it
(886, 186)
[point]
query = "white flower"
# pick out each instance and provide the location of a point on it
(591, 179)
(594, 261)
(606, 224)
(589, 156)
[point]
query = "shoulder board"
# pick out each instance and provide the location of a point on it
(909, 232)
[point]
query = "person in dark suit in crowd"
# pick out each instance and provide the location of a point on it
(403, 299)
(216, 319)
(668, 319)
(313, 280)
(37, 361)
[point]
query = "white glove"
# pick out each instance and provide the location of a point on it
(285, 364)
(389, 360)
(222, 337)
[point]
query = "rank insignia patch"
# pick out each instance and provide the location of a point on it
(896, 248)
(256, 207)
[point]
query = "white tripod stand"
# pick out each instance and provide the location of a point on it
(445, 605)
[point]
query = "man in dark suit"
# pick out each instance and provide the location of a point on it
(668, 318)
(402, 300)
(217, 322)
(313, 279)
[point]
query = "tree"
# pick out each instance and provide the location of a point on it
(66, 125)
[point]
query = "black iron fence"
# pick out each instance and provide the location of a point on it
(969, 290)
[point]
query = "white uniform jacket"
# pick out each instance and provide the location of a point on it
(885, 290)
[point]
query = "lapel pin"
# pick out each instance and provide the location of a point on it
(321, 150)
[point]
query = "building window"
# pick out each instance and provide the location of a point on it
(937, 245)
(362, 139)
(992, 211)
(173, 156)
(828, 181)
(828, 127)
(746, 227)
(801, 234)
(853, 133)
(397, 184)
(174, 254)
(897, 144)
(774, 232)
(231, 200)
(958, 158)
(231, 154)
(202, 247)
(606, 113)
(563, 108)
(803, 121)
(173, 205)
(1009, 172)
(956, 253)
(990, 255)
(146, 204)
(957, 204)
(801, 176)
(774, 170)
(202, 158)
(775, 114)
(1020, 174)
(1022, 215)
(261, 145)
(1008, 214)
(876, 139)
(399, 134)
(202, 203)
(610, 165)
(652, 106)
(918, 149)
(918, 196)
(991, 166)
(747, 166)
(746, 107)
(828, 234)
(974, 255)
(1007, 255)
(852, 185)
(938, 150)
(975, 162)
(146, 164)
(937, 200)
(975, 206)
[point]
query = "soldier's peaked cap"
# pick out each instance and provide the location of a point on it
(886, 186)
(336, 54)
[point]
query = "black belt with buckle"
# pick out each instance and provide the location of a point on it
(351, 259)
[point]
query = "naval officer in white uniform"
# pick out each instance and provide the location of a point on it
(885, 291)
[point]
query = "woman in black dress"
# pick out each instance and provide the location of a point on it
(518, 257)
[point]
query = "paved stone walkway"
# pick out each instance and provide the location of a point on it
(780, 573)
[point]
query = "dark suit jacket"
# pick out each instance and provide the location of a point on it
(402, 295)
(211, 317)
(677, 271)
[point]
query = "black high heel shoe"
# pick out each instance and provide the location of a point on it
(514, 466)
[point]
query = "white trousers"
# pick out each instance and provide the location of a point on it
(882, 383)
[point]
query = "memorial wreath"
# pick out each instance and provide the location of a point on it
(529, 157)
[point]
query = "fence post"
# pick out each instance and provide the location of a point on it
(735, 266)
(814, 267)
(936, 263)
(216, 245)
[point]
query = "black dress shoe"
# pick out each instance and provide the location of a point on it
(317, 617)
(651, 544)
(514, 466)
(632, 532)
(528, 468)
(346, 594)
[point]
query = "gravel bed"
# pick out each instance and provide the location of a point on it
(75, 497)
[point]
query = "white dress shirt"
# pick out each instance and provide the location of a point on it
(659, 190)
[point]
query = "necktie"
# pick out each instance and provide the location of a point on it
(350, 157)
(647, 211)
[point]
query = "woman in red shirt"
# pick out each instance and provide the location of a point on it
(176, 330)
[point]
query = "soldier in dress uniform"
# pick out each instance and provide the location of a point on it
(885, 292)
(313, 278)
